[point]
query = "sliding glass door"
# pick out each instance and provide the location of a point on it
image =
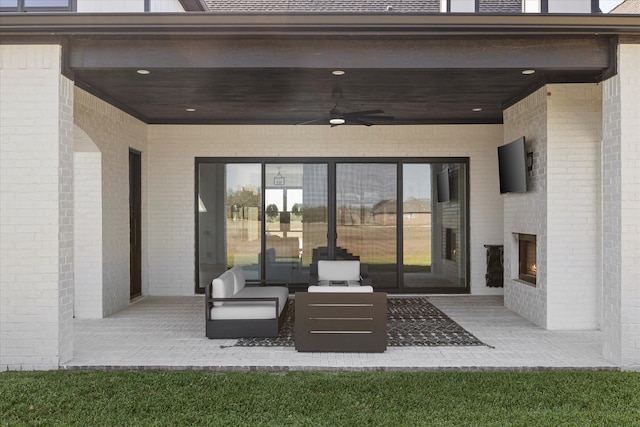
(366, 218)
(406, 219)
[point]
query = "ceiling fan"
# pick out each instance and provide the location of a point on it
(338, 116)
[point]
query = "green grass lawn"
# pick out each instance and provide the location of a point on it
(174, 398)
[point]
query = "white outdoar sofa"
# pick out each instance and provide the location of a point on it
(236, 310)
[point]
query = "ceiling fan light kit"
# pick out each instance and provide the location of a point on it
(337, 116)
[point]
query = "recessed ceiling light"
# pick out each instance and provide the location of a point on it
(476, 109)
(528, 72)
(144, 72)
(336, 121)
(337, 73)
(191, 110)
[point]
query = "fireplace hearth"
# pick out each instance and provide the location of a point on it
(527, 260)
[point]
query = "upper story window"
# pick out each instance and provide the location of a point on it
(562, 6)
(574, 6)
(482, 6)
(37, 5)
(520, 6)
(459, 6)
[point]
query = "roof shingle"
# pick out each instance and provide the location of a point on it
(630, 7)
(352, 6)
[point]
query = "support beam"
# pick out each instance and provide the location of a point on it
(576, 53)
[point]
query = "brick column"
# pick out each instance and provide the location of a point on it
(621, 209)
(574, 135)
(561, 124)
(36, 221)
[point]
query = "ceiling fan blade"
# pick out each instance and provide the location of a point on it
(311, 122)
(357, 120)
(377, 117)
(363, 113)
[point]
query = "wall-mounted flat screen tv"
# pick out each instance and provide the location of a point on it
(442, 180)
(512, 161)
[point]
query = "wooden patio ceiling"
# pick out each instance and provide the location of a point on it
(284, 76)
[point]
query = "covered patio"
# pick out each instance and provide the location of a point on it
(115, 112)
(168, 333)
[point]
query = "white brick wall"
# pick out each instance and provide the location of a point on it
(65, 219)
(612, 209)
(114, 132)
(527, 212)
(621, 213)
(87, 227)
(562, 126)
(630, 219)
(172, 150)
(574, 284)
(36, 220)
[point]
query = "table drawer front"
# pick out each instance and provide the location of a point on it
(331, 322)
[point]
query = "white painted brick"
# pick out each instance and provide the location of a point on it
(88, 231)
(621, 230)
(574, 206)
(563, 129)
(36, 252)
(527, 213)
(108, 133)
(172, 150)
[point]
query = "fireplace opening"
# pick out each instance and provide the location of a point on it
(527, 262)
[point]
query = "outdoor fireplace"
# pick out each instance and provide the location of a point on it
(527, 262)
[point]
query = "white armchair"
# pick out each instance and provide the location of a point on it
(340, 276)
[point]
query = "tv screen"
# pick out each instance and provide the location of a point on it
(442, 180)
(512, 160)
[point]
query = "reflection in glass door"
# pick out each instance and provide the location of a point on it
(229, 219)
(434, 230)
(406, 219)
(416, 223)
(366, 218)
(295, 206)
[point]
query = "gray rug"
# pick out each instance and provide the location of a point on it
(410, 322)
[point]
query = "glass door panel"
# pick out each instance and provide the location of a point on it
(444, 228)
(416, 223)
(229, 219)
(244, 217)
(295, 219)
(276, 219)
(366, 218)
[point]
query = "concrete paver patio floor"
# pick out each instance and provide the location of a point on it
(168, 333)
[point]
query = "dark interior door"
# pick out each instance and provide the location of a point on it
(135, 219)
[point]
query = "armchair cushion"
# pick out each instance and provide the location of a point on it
(338, 270)
(238, 279)
(249, 305)
(223, 287)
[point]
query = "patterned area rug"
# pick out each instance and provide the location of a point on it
(410, 322)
